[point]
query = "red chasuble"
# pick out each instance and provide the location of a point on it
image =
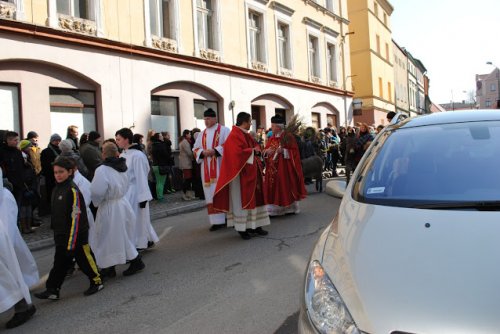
(284, 182)
(238, 148)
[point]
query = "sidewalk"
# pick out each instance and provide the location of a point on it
(173, 204)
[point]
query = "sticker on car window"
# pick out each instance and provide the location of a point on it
(377, 190)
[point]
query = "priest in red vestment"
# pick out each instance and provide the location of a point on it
(284, 181)
(239, 191)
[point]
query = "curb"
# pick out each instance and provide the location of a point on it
(47, 243)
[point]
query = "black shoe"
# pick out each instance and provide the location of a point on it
(150, 244)
(52, 294)
(259, 231)
(245, 235)
(21, 317)
(94, 288)
(217, 227)
(70, 272)
(35, 223)
(108, 273)
(136, 265)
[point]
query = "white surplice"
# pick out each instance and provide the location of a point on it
(115, 220)
(209, 190)
(8, 217)
(84, 185)
(13, 287)
(138, 191)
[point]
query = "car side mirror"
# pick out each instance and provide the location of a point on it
(336, 188)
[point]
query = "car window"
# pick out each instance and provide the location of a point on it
(450, 162)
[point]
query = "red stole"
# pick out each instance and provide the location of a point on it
(210, 169)
(238, 148)
(284, 181)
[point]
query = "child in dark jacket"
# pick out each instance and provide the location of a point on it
(70, 225)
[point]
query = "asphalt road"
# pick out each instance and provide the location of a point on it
(195, 281)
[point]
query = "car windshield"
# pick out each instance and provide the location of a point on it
(426, 166)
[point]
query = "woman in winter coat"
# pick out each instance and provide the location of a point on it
(186, 165)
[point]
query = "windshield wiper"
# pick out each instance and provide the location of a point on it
(478, 205)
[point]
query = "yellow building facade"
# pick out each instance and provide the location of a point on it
(372, 59)
(107, 64)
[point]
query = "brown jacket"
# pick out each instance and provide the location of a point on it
(185, 155)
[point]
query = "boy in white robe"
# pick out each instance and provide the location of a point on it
(84, 186)
(138, 193)
(208, 151)
(13, 289)
(8, 216)
(115, 218)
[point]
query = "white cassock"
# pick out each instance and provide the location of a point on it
(115, 220)
(84, 185)
(209, 185)
(8, 218)
(13, 287)
(138, 191)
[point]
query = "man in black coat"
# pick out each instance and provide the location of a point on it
(12, 163)
(48, 156)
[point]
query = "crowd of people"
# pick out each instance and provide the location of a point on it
(98, 192)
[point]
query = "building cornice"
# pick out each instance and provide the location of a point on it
(282, 8)
(326, 11)
(386, 5)
(52, 35)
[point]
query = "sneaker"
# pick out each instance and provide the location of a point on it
(136, 265)
(21, 317)
(94, 288)
(245, 235)
(51, 294)
(259, 231)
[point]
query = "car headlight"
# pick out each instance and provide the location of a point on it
(325, 307)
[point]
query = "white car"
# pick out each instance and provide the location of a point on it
(415, 245)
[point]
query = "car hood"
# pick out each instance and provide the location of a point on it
(397, 274)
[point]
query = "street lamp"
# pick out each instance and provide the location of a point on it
(498, 83)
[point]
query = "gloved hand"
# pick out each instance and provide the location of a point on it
(142, 205)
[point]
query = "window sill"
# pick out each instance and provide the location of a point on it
(78, 25)
(286, 72)
(7, 10)
(210, 54)
(257, 65)
(165, 44)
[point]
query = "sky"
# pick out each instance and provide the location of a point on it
(453, 38)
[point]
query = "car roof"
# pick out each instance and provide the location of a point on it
(474, 115)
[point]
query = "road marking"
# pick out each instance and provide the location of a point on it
(165, 232)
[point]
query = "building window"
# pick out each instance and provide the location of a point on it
(284, 51)
(488, 103)
(199, 108)
(329, 5)
(165, 116)
(389, 91)
(72, 107)
(313, 47)
(375, 8)
(205, 24)
(256, 36)
(387, 51)
(378, 44)
(380, 87)
(331, 119)
(76, 8)
(315, 120)
(332, 62)
(9, 107)
(493, 87)
(385, 18)
(160, 12)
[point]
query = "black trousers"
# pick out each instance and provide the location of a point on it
(63, 260)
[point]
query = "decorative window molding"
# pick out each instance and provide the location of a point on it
(313, 24)
(330, 31)
(12, 10)
(256, 30)
(157, 35)
(207, 29)
(326, 11)
(282, 8)
(90, 24)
